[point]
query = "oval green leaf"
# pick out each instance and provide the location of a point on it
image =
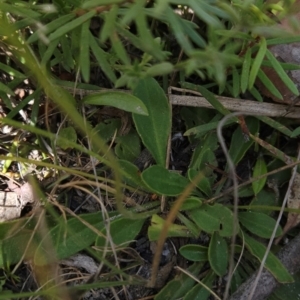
(119, 100)
(259, 224)
(194, 252)
(218, 254)
(163, 181)
(122, 231)
(214, 218)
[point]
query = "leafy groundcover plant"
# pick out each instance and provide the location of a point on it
(109, 164)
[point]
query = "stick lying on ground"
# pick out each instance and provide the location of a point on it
(232, 104)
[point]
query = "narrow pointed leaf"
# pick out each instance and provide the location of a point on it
(235, 83)
(246, 71)
(269, 84)
(260, 168)
(257, 62)
(281, 73)
(71, 25)
(84, 60)
(101, 58)
(119, 100)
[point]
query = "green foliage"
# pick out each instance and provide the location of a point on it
(154, 129)
(223, 46)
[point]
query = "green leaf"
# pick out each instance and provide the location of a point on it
(265, 198)
(106, 130)
(14, 237)
(161, 69)
(259, 224)
(211, 218)
(202, 129)
(131, 174)
(273, 264)
(71, 25)
(50, 27)
(154, 129)
(67, 56)
(109, 23)
(235, 83)
(119, 49)
(122, 231)
(246, 70)
(150, 45)
(269, 84)
(276, 125)
(69, 134)
(260, 168)
(178, 287)
(101, 58)
(19, 11)
(191, 226)
(175, 230)
(282, 74)
(67, 237)
(191, 203)
(93, 3)
(6, 89)
(119, 100)
(128, 147)
(289, 290)
(198, 292)
(52, 46)
(239, 146)
(210, 97)
(163, 181)
(11, 71)
(84, 58)
(175, 23)
(257, 62)
(203, 185)
(218, 254)
(296, 132)
(204, 153)
(203, 11)
(194, 252)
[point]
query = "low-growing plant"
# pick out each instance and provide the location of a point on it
(225, 45)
